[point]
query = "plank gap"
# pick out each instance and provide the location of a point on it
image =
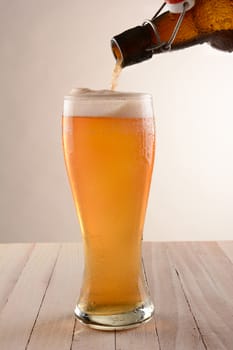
(154, 317)
(144, 273)
(190, 308)
(42, 300)
(157, 333)
(55, 324)
(72, 339)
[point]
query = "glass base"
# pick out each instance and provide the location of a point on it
(143, 313)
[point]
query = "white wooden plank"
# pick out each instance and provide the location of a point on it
(13, 258)
(220, 269)
(176, 327)
(208, 304)
(20, 312)
(191, 283)
(227, 247)
(88, 339)
(3, 248)
(55, 324)
(142, 337)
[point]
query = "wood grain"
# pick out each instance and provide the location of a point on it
(227, 248)
(175, 325)
(191, 285)
(143, 337)
(55, 323)
(20, 312)
(88, 339)
(198, 267)
(13, 259)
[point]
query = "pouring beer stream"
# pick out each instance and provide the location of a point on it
(116, 74)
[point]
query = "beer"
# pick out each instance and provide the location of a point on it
(109, 142)
(115, 75)
(208, 21)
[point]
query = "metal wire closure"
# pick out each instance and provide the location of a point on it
(165, 45)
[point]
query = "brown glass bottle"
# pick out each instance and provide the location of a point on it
(209, 21)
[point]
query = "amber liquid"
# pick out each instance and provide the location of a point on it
(109, 162)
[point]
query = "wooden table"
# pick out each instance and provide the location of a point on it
(191, 284)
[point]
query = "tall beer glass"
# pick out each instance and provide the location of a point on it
(109, 141)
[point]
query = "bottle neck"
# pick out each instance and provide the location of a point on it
(130, 47)
(209, 21)
(137, 44)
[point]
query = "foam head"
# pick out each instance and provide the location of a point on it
(107, 103)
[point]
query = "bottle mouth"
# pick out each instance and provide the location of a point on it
(116, 50)
(130, 47)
